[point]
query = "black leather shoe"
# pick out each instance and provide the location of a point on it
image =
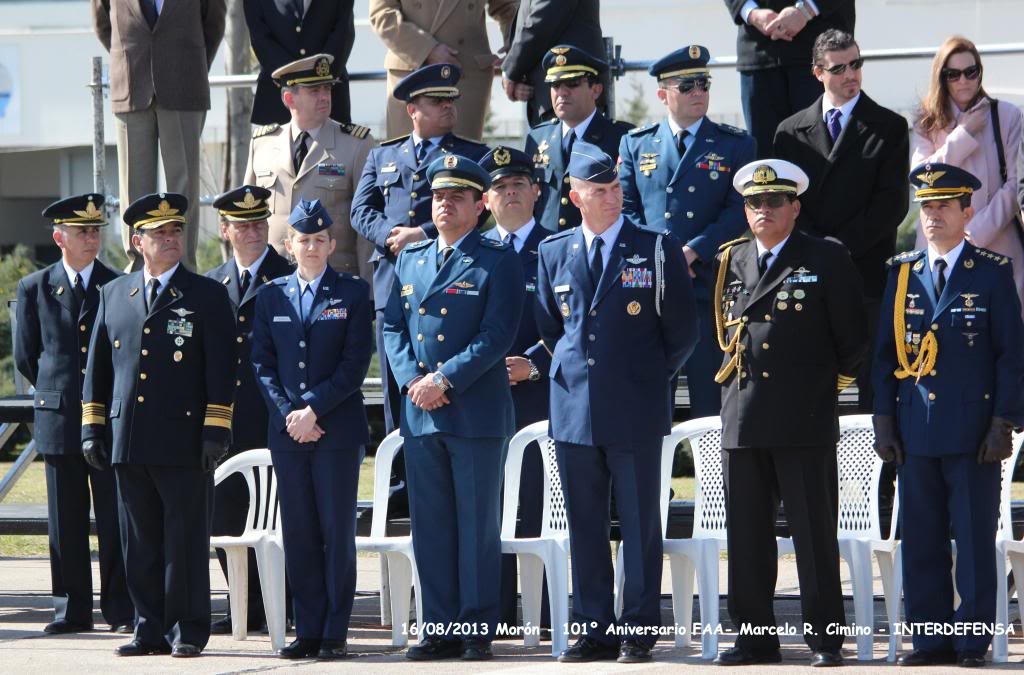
(301, 648)
(184, 650)
(826, 659)
(587, 649)
(332, 650)
(923, 657)
(476, 650)
(63, 626)
(433, 649)
(124, 628)
(221, 626)
(737, 656)
(970, 660)
(140, 648)
(633, 652)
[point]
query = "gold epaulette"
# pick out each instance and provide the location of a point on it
(924, 364)
(355, 130)
(265, 129)
(93, 413)
(730, 244)
(218, 416)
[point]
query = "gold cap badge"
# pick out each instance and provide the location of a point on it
(451, 161)
(323, 68)
(502, 156)
(694, 52)
(764, 174)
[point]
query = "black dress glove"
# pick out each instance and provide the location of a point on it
(887, 439)
(997, 444)
(95, 454)
(213, 452)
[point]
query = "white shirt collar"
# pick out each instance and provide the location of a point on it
(951, 257)
(164, 278)
(522, 234)
(86, 273)
(609, 237)
(416, 139)
(440, 244)
(295, 131)
(692, 129)
(774, 249)
(314, 284)
(253, 268)
(846, 109)
(580, 128)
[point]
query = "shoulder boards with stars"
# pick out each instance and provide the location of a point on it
(415, 246)
(991, 256)
(280, 281)
(644, 129)
(396, 140)
(494, 243)
(730, 129)
(355, 130)
(734, 242)
(909, 256)
(265, 129)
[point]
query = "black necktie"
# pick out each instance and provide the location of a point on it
(510, 239)
(149, 11)
(300, 151)
(567, 142)
(244, 285)
(446, 252)
(940, 276)
(596, 261)
(422, 150)
(79, 291)
(299, 8)
(154, 290)
(681, 141)
(762, 263)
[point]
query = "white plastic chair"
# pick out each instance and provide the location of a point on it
(1007, 547)
(699, 554)
(263, 534)
(543, 556)
(397, 561)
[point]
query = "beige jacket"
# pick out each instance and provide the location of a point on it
(330, 173)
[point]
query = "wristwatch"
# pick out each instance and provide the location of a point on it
(534, 371)
(802, 7)
(440, 381)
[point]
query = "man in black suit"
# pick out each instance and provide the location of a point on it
(773, 47)
(243, 222)
(857, 156)
(283, 31)
(56, 311)
(540, 25)
(790, 317)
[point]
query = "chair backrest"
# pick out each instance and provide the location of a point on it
(555, 519)
(1005, 530)
(860, 469)
(705, 437)
(385, 457)
(257, 469)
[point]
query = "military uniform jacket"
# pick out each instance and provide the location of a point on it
(393, 192)
(612, 354)
(249, 423)
(320, 363)
(755, 51)
(692, 196)
(166, 373)
(530, 398)
(802, 328)
(328, 173)
(544, 142)
(50, 350)
(459, 320)
(979, 372)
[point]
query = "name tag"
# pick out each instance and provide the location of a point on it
(562, 289)
(282, 319)
(333, 314)
(801, 279)
(179, 327)
(390, 168)
(330, 169)
(637, 277)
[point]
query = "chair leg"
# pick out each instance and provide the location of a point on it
(707, 581)
(1017, 566)
(858, 557)
(385, 592)
(238, 590)
(682, 597)
(892, 600)
(531, 584)
(557, 573)
(418, 595)
(620, 579)
(400, 570)
(270, 564)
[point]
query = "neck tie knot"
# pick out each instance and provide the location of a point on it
(940, 276)
(762, 262)
(245, 281)
(301, 150)
(834, 116)
(154, 291)
(446, 253)
(681, 141)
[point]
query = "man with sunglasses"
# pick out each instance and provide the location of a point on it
(856, 155)
(676, 175)
(574, 76)
(790, 320)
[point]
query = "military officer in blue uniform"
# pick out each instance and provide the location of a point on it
(677, 175)
(391, 207)
(575, 76)
(56, 312)
(511, 199)
(312, 343)
(617, 313)
(159, 370)
(243, 214)
(451, 320)
(948, 376)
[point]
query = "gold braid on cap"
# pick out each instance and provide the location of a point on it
(929, 353)
(722, 326)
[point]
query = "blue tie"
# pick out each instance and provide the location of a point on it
(306, 302)
(834, 128)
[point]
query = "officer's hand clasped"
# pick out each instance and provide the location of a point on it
(887, 440)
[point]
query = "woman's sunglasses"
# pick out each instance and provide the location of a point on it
(953, 74)
(840, 68)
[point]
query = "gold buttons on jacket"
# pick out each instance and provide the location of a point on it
(242, 319)
(931, 396)
(564, 201)
(440, 338)
(117, 344)
(142, 376)
(419, 337)
(85, 349)
(146, 330)
(561, 221)
(765, 374)
(935, 326)
(141, 399)
(145, 352)
(422, 311)
(302, 364)
(444, 311)
(412, 213)
(81, 327)
(764, 345)
(239, 339)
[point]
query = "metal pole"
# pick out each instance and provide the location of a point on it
(611, 58)
(99, 158)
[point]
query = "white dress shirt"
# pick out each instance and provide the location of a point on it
(608, 238)
(85, 273)
(522, 234)
(691, 130)
(774, 249)
(845, 110)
